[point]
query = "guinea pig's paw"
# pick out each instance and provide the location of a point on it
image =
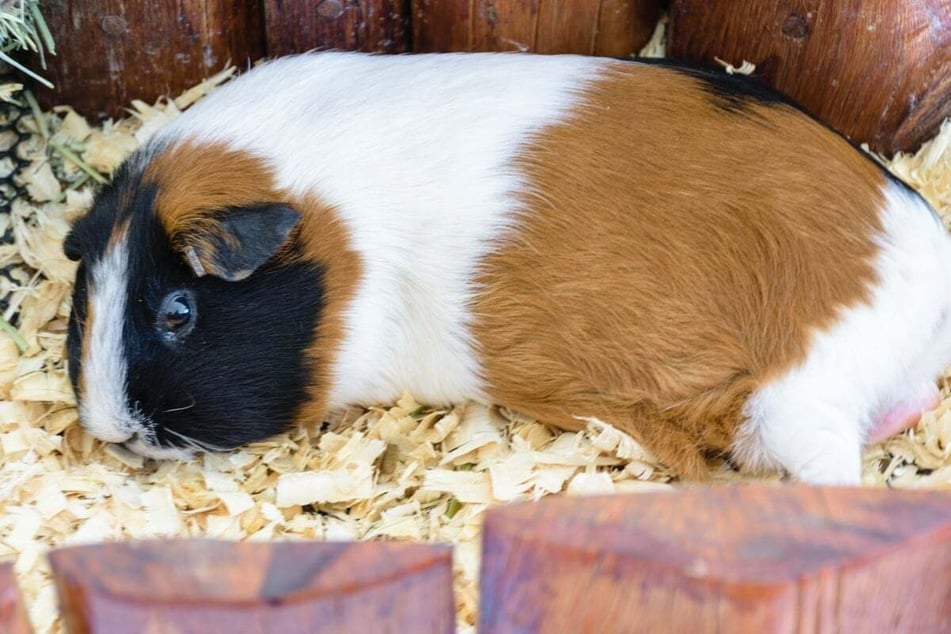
(822, 457)
(816, 442)
(832, 470)
(139, 446)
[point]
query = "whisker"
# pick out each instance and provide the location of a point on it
(179, 409)
(187, 440)
(194, 443)
(147, 423)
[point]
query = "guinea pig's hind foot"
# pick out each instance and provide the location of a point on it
(840, 467)
(815, 445)
(904, 414)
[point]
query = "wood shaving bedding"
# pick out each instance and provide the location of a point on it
(402, 471)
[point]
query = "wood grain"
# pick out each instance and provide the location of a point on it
(199, 586)
(13, 619)
(741, 559)
(504, 25)
(602, 27)
(297, 26)
(567, 26)
(112, 51)
(441, 25)
(876, 70)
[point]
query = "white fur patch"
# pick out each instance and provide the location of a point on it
(415, 153)
(103, 407)
(814, 419)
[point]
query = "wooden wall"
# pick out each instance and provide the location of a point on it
(111, 51)
(587, 27)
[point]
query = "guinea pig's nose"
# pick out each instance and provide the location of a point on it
(105, 421)
(140, 444)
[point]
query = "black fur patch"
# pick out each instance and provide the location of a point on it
(242, 372)
(90, 234)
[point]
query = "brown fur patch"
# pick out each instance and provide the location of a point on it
(194, 182)
(672, 258)
(326, 240)
(118, 235)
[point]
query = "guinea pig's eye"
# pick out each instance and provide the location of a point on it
(177, 313)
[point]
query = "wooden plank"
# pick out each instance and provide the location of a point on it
(602, 27)
(297, 26)
(13, 619)
(567, 26)
(199, 586)
(441, 25)
(726, 559)
(876, 70)
(504, 25)
(112, 51)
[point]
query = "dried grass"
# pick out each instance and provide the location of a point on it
(402, 471)
(23, 28)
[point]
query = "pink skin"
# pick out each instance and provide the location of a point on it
(905, 414)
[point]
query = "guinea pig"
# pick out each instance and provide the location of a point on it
(677, 252)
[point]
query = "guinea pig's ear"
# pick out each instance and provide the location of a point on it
(78, 238)
(233, 243)
(71, 246)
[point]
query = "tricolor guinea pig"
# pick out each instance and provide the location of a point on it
(677, 252)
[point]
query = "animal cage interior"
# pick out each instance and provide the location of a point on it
(402, 470)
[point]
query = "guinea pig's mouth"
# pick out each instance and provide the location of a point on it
(146, 442)
(138, 433)
(158, 452)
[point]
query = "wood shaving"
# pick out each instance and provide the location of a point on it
(745, 68)
(400, 471)
(657, 45)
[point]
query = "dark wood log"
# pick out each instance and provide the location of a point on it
(589, 27)
(876, 70)
(296, 26)
(112, 51)
(13, 619)
(200, 586)
(727, 559)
